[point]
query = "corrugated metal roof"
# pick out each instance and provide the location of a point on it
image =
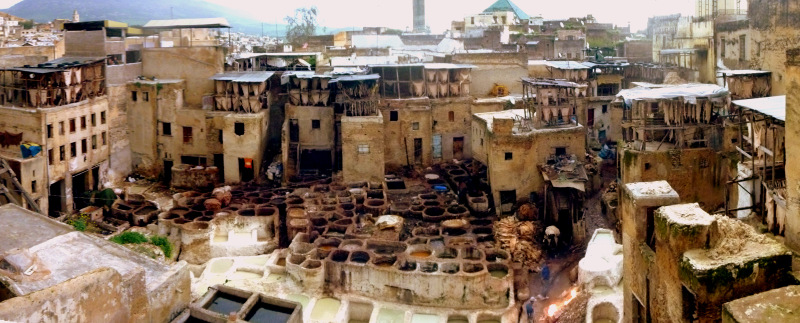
(447, 66)
(567, 65)
(774, 106)
(352, 78)
(243, 77)
(744, 72)
(52, 66)
(551, 82)
(187, 23)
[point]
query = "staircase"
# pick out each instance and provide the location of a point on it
(11, 191)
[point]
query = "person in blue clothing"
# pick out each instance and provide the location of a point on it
(528, 308)
(545, 280)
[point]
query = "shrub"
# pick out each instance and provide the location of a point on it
(129, 237)
(163, 243)
(78, 224)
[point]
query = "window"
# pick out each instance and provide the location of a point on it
(314, 124)
(187, 135)
(83, 123)
(393, 115)
(451, 116)
(50, 130)
(94, 119)
(61, 127)
(650, 237)
(722, 47)
(62, 153)
(72, 125)
(605, 108)
(94, 141)
(50, 156)
(363, 149)
(103, 117)
(33, 186)
(133, 96)
(73, 149)
(472, 20)
(84, 146)
(481, 141)
(561, 151)
(146, 96)
(415, 126)
(238, 128)
(742, 48)
(193, 160)
(509, 156)
(103, 138)
(220, 136)
(166, 129)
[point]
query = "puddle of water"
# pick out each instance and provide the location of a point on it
(267, 313)
(258, 261)
(325, 309)
(224, 304)
(221, 265)
(302, 299)
(424, 318)
(242, 275)
(273, 278)
(498, 273)
(387, 315)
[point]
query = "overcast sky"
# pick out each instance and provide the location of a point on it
(440, 13)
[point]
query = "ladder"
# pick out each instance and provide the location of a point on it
(15, 192)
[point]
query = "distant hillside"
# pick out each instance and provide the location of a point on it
(138, 12)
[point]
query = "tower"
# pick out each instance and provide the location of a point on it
(75, 16)
(419, 16)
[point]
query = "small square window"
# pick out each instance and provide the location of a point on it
(50, 130)
(83, 123)
(605, 108)
(314, 124)
(481, 141)
(509, 156)
(363, 149)
(166, 129)
(451, 116)
(103, 138)
(238, 128)
(103, 117)
(133, 96)
(393, 115)
(33, 186)
(84, 146)
(73, 149)
(415, 126)
(146, 96)
(187, 135)
(220, 136)
(94, 119)
(561, 151)
(94, 141)
(72, 125)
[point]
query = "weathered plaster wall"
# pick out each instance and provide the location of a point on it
(251, 144)
(459, 127)
(85, 43)
(146, 134)
(361, 166)
(399, 135)
(97, 296)
(310, 138)
(30, 55)
(792, 231)
(501, 68)
(120, 156)
(194, 65)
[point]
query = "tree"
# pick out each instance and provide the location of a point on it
(302, 26)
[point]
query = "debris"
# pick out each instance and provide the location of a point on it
(528, 212)
(509, 236)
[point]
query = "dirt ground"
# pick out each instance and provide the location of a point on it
(562, 264)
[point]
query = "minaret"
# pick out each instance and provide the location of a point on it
(75, 16)
(419, 16)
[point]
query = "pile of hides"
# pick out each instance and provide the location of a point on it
(516, 237)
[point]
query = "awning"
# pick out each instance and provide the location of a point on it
(773, 106)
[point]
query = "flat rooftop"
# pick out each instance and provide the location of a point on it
(518, 115)
(780, 305)
(641, 190)
(18, 223)
(736, 244)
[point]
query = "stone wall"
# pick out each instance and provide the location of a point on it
(502, 68)
(360, 165)
(194, 65)
(399, 135)
(792, 231)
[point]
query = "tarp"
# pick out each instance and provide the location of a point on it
(690, 92)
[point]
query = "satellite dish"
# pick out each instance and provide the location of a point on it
(562, 24)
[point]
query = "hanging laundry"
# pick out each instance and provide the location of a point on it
(10, 139)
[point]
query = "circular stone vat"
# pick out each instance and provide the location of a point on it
(360, 257)
(351, 244)
(447, 253)
(428, 196)
(433, 211)
(438, 181)
(472, 268)
(246, 212)
(199, 226)
(498, 270)
(295, 212)
(339, 255)
(605, 312)
(471, 253)
(425, 232)
(457, 210)
(482, 230)
(347, 206)
(493, 255)
(191, 215)
(328, 244)
(170, 216)
(204, 218)
(417, 241)
(374, 203)
(384, 261)
(429, 267)
(181, 221)
(450, 268)
(453, 231)
(319, 222)
(481, 222)
(431, 203)
(456, 172)
(311, 264)
(297, 259)
(420, 251)
(407, 265)
(266, 211)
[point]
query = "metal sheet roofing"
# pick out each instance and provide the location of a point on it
(353, 78)
(774, 106)
(187, 23)
(243, 77)
(551, 82)
(447, 66)
(689, 92)
(744, 72)
(678, 51)
(567, 65)
(52, 66)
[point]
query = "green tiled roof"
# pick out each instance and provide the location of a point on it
(506, 5)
